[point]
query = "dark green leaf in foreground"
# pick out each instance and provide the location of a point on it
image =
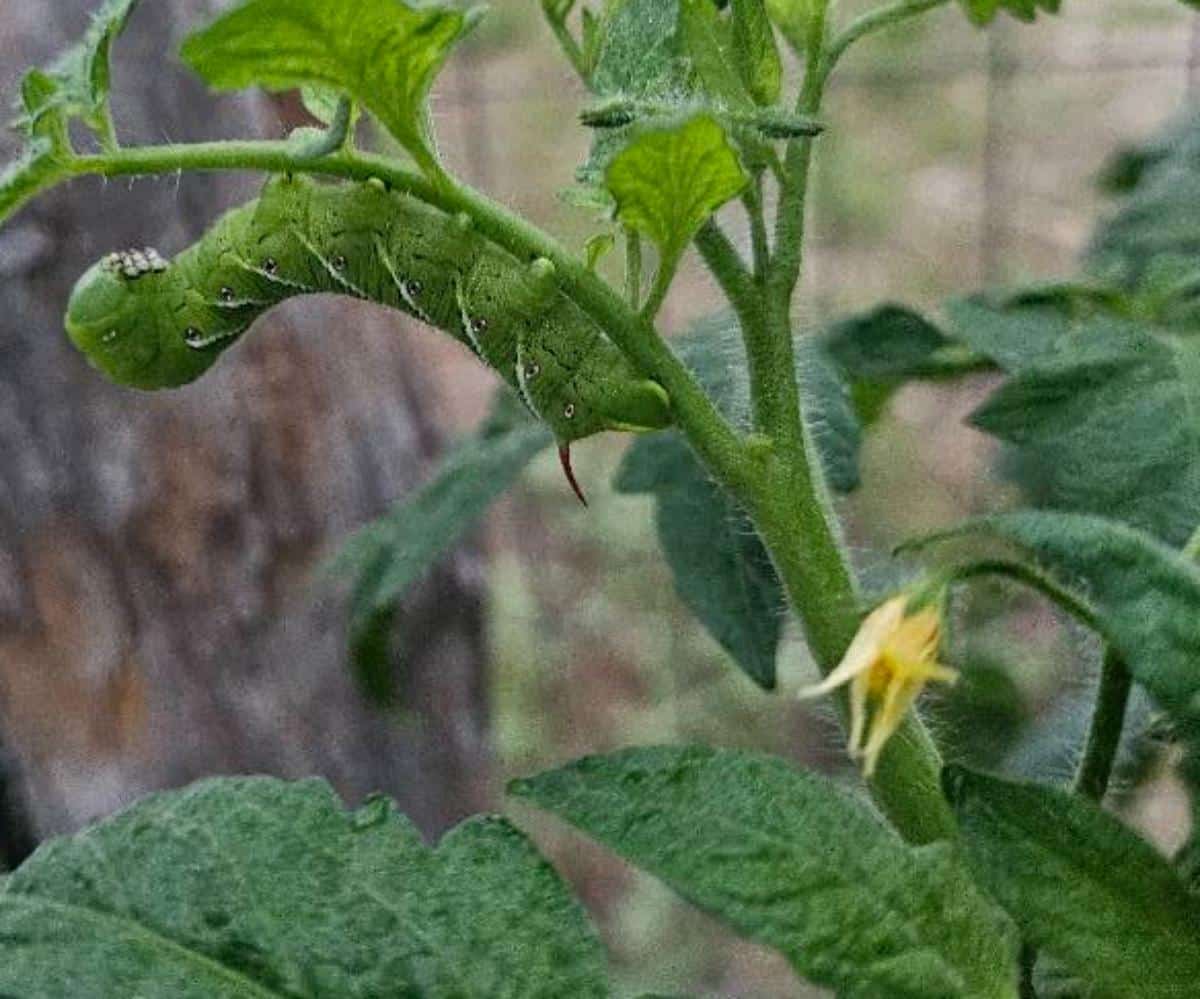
(1143, 597)
(383, 53)
(390, 555)
(1080, 885)
(256, 888)
(721, 569)
(791, 861)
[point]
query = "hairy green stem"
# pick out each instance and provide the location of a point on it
(872, 21)
(1104, 736)
(663, 278)
(727, 266)
(795, 514)
(338, 132)
(567, 43)
(753, 201)
(633, 268)
(789, 505)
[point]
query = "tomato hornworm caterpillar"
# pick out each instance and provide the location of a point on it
(151, 324)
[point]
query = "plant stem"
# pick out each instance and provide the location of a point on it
(784, 494)
(633, 268)
(874, 20)
(794, 513)
(753, 201)
(658, 291)
(568, 44)
(1104, 736)
(727, 267)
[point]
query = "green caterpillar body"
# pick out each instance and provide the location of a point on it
(151, 324)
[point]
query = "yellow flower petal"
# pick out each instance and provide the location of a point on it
(887, 665)
(864, 650)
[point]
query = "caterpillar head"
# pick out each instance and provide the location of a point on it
(137, 322)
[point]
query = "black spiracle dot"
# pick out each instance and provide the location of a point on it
(192, 334)
(271, 265)
(414, 288)
(226, 294)
(569, 411)
(532, 369)
(339, 263)
(479, 325)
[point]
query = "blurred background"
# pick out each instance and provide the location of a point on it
(161, 617)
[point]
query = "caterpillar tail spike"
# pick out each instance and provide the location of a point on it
(151, 323)
(564, 457)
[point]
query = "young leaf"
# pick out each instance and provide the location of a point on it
(1143, 597)
(1080, 885)
(383, 53)
(709, 40)
(791, 861)
(756, 52)
(667, 182)
(984, 11)
(389, 556)
(77, 83)
(721, 569)
(251, 887)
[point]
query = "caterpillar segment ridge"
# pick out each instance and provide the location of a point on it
(152, 324)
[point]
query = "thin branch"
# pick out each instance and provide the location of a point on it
(1104, 736)
(726, 264)
(753, 201)
(633, 268)
(872, 21)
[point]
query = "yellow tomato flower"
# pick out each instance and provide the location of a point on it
(890, 660)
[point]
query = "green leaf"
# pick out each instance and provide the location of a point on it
(1111, 426)
(77, 83)
(888, 344)
(597, 248)
(756, 52)
(667, 182)
(253, 887)
(383, 53)
(1141, 596)
(721, 569)
(1080, 885)
(640, 51)
(984, 11)
(793, 18)
(709, 40)
(387, 557)
(791, 861)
